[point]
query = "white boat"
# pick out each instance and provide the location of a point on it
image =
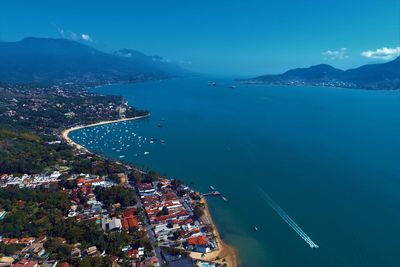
(212, 187)
(146, 153)
(255, 228)
(224, 199)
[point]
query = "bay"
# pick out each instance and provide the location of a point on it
(329, 157)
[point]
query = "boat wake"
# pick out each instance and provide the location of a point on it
(286, 218)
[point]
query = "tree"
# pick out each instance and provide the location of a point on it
(163, 211)
(198, 212)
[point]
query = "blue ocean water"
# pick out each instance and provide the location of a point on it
(328, 157)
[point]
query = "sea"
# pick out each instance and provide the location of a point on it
(304, 165)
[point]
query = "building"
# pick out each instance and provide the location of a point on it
(114, 225)
(198, 244)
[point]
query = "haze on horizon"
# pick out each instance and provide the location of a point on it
(220, 37)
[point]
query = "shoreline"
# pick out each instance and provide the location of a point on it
(66, 132)
(224, 251)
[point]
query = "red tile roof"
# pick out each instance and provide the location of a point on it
(129, 212)
(197, 240)
(133, 253)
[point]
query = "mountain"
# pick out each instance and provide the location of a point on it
(155, 62)
(371, 76)
(63, 60)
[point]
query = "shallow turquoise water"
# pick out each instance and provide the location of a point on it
(329, 157)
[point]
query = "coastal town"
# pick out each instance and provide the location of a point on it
(104, 213)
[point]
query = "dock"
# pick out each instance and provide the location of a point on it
(215, 193)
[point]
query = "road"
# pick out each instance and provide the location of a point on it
(149, 230)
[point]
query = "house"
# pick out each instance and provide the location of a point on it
(198, 244)
(114, 224)
(90, 251)
(146, 189)
(10, 241)
(123, 178)
(26, 240)
(6, 261)
(133, 253)
(129, 223)
(50, 263)
(26, 263)
(76, 253)
(37, 249)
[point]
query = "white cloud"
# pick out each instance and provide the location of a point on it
(73, 35)
(382, 53)
(336, 54)
(86, 37)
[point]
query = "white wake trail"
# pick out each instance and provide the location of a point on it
(286, 218)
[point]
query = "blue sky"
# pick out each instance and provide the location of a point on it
(221, 37)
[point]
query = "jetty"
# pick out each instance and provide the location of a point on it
(214, 193)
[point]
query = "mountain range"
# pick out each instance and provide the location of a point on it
(63, 60)
(370, 76)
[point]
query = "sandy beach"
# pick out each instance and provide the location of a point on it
(225, 253)
(66, 132)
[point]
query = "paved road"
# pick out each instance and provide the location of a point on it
(149, 230)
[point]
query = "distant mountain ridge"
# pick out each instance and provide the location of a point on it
(370, 76)
(62, 60)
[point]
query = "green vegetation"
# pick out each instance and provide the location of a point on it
(116, 194)
(163, 211)
(35, 213)
(31, 213)
(31, 119)
(57, 250)
(95, 262)
(25, 152)
(198, 211)
(144, 177)
(9, 249)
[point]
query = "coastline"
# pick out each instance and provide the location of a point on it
(66, 132)
(224, 251)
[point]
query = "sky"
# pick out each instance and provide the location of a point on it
(242, 38)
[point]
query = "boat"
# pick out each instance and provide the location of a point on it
(255, 228)
(146, 153)
(122, 157)
(212, 187)
(224, 199)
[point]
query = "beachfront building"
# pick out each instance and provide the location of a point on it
(198, 244)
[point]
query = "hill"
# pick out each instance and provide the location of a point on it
(62, 60)
(370, 76)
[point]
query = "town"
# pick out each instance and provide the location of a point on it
(65, 206)
(167, 211)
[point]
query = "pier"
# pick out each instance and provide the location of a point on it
(214, 193)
